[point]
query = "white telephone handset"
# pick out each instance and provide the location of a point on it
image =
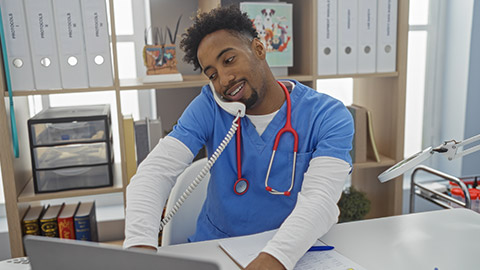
(236, 109)
(231, 107)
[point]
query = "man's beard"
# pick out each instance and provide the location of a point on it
(252, 100)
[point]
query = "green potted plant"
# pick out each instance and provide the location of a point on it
(353, 204)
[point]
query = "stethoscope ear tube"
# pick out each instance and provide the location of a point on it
(287, 128)
(274, 191)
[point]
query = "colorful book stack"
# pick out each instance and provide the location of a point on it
(68, 221)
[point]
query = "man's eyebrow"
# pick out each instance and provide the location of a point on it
(223, 51)
(218, 57)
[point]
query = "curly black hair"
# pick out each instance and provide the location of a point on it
(229, 18)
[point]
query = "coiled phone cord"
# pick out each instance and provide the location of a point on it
(202, 173)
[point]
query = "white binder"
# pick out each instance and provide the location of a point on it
(387, 35)
(347, 36)
(43, 44)
(71, 45)
(327, 37)
(367, 36)
(16, 41)
(97, 43)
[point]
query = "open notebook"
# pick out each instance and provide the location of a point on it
(246, 248)
(46, 253)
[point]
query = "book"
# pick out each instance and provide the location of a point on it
(327, 37)
(273, 22)
(141, 141)
(66, 228)
(97, 42)
(386, 35)
(372, 151)
(86, 222)
(30, 222)
(147, 134)
(43, 43)
(347, 36)
(14, 25)
(48, 222)
(367, 36)
(130, 155)
(359, 143)
(70, 43)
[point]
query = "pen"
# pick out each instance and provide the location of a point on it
(320, 248)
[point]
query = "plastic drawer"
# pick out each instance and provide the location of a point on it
(70, 155)
(75, 131)
(73, 178)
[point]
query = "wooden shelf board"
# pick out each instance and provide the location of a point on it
(17, 93)
(384, 162)
(28, 194)
(188, 81)
(298, 77)
(354, 76)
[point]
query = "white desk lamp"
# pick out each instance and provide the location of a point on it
(448, 148)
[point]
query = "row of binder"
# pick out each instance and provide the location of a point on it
(357, 36)
(54, 44)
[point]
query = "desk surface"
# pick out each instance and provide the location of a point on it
(209, 250)
(446, 239)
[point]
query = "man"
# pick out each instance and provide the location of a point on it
(224, 44)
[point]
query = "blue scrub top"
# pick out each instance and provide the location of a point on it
(324, 127)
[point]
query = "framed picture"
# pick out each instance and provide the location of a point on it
(273, 22)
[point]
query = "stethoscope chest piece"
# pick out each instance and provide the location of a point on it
(241, 186)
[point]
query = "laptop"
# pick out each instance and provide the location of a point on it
(46, 253)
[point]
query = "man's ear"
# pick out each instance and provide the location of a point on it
(259, 49)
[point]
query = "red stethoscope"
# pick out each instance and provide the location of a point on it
(241, 185)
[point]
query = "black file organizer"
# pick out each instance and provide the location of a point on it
(71, 148)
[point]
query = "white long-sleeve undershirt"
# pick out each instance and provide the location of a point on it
(149, 189)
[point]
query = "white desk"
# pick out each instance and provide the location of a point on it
(446, 239)
(203, 250)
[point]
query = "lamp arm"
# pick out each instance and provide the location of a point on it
(450, 148)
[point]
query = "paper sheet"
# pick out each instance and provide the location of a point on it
(244, 249)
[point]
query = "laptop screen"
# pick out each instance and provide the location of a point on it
(46, 253)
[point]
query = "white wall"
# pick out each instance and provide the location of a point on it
(454, 87)
(459, 89)
(471, 163)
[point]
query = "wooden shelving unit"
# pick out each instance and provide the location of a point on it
(383, 94)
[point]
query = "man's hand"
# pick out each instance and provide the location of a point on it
(145, 247)
(265, 261)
